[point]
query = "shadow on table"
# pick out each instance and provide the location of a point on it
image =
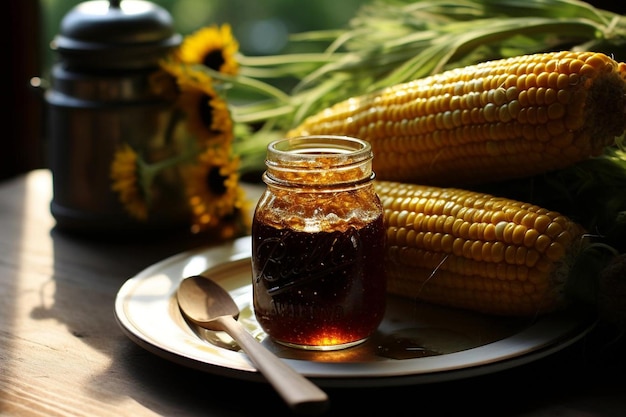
(571, 383)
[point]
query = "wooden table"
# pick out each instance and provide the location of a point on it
(62, 352)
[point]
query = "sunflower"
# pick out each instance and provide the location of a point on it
(214, 47)
(125, 176)
(208, 116)
(204, 160)
(213, 191)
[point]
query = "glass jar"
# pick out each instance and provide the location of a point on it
(317, 244)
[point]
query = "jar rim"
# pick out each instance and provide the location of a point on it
(326, 162)
(314, 146)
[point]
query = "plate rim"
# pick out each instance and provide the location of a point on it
(356, 376)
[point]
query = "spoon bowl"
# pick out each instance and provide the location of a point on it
(206, 304)
(202, 301)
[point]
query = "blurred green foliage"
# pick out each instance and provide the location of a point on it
(261, 27)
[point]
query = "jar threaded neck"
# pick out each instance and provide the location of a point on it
(319, 162)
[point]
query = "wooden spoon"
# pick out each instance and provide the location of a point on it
(208, 305)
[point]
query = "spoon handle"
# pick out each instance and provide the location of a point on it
(298, 392)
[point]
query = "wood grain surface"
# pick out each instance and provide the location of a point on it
(63, 354)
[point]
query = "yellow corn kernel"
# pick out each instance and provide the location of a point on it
(501, 119)
(469, 250)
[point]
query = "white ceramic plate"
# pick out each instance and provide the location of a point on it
(416, 343)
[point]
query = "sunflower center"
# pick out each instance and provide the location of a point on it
(205, 111)
(214, 60)
(215, 181)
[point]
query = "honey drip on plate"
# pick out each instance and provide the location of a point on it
(421, 342)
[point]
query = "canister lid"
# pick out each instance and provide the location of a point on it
(115, 34)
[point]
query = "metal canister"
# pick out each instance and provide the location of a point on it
(99, 98)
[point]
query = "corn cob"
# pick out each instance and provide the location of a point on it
(475, 251)
(503, 119)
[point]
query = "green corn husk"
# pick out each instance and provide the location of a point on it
(389, 42)
(393, 41)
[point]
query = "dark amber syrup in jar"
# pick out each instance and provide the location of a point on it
(324, 288)
(318, 279)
